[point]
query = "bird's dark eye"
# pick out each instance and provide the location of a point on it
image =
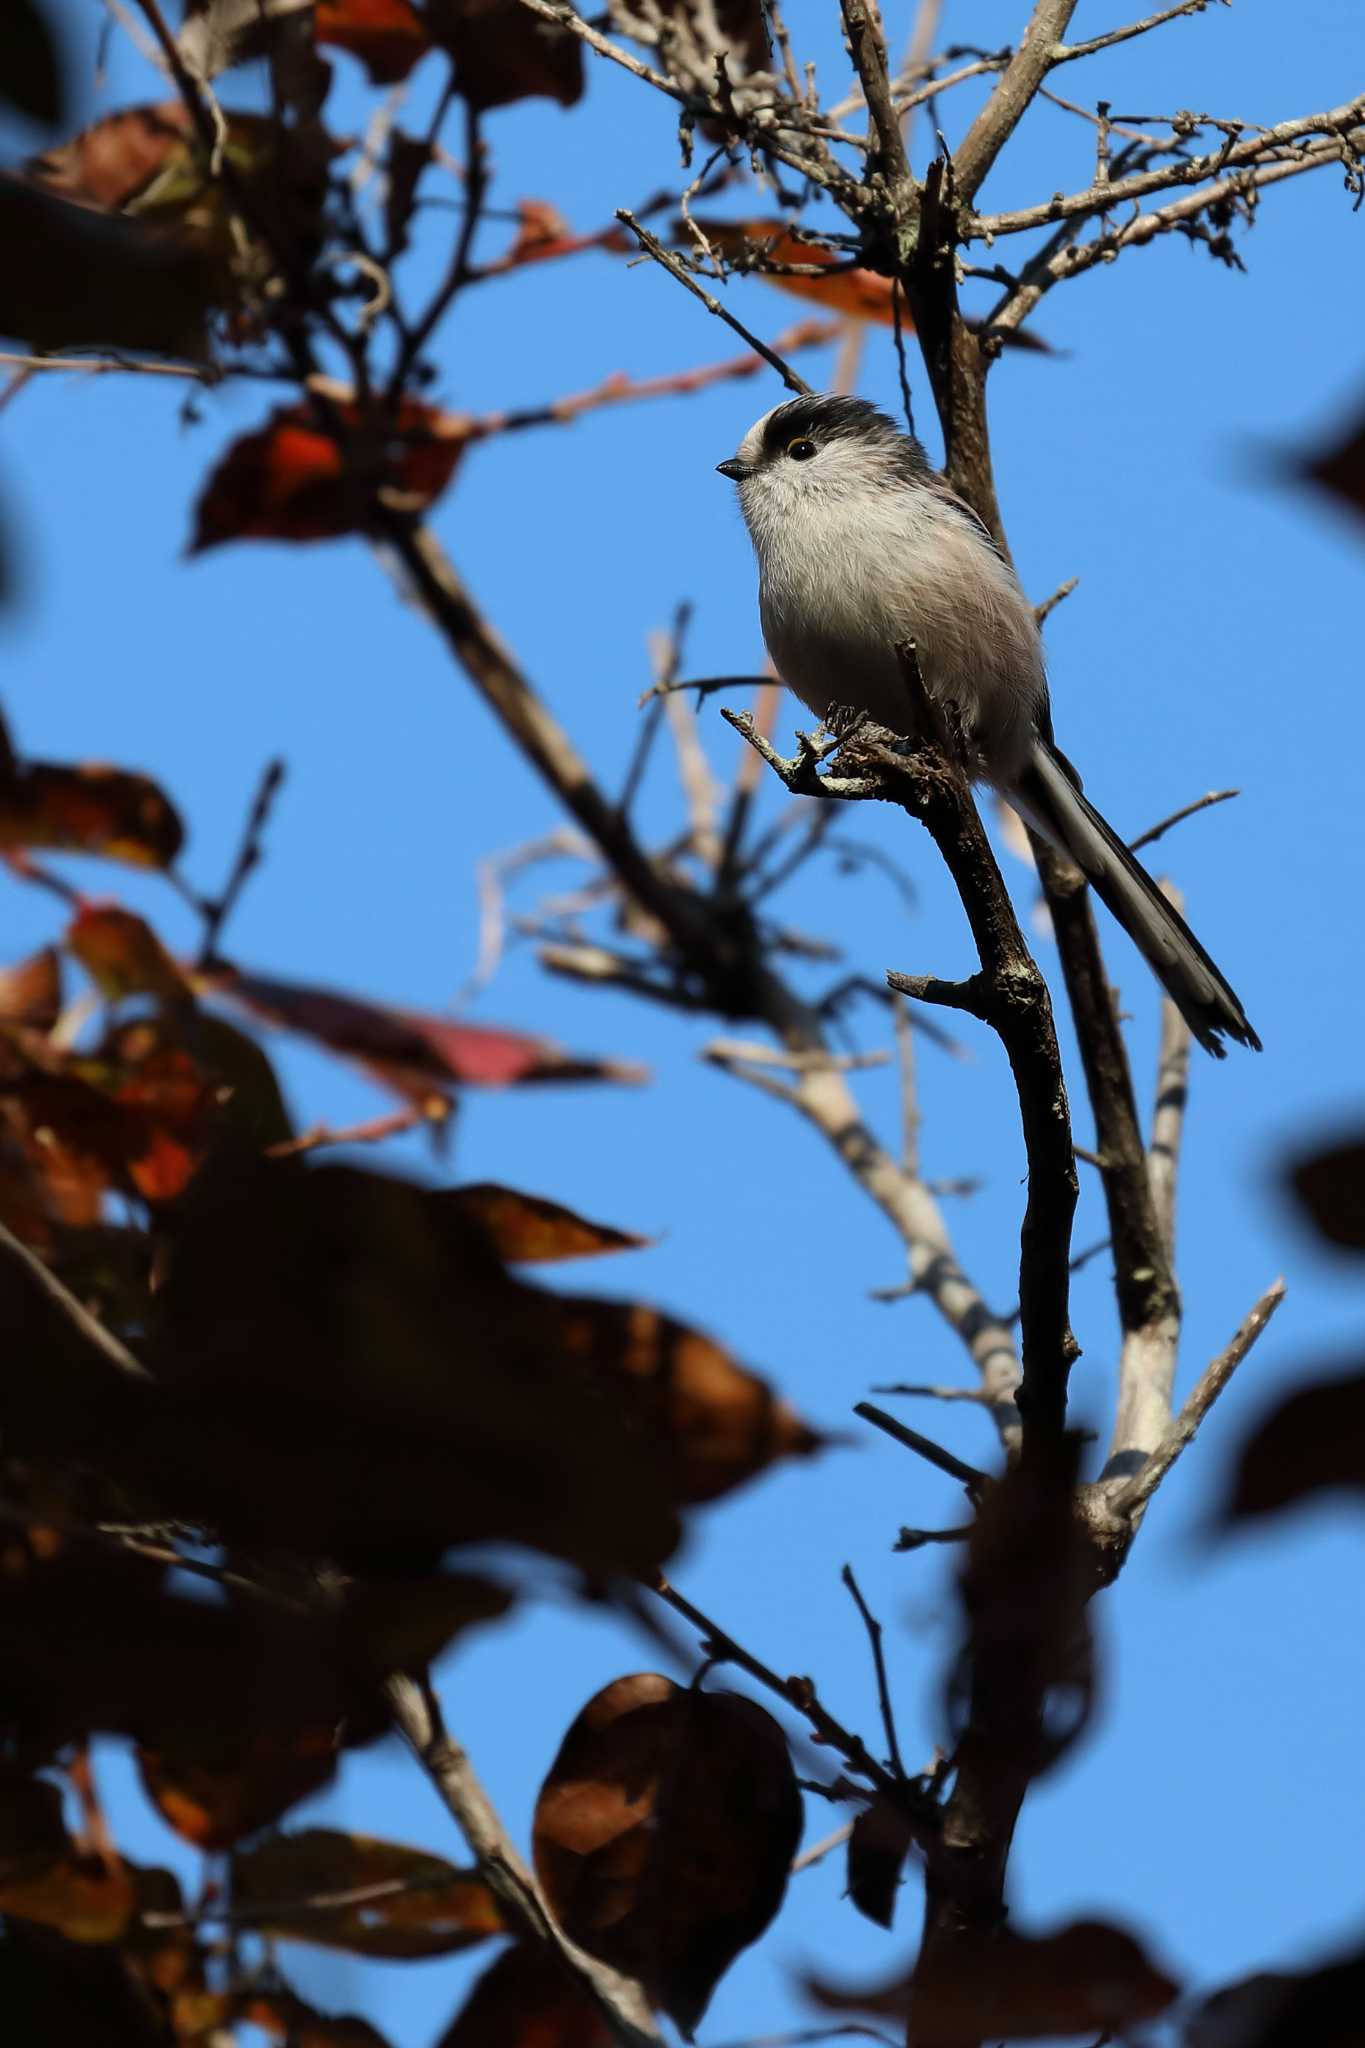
(801, 451)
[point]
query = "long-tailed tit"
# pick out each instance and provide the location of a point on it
(862, 546)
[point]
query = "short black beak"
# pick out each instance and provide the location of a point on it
(735, 469)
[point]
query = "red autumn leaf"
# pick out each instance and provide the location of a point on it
(291, 480)
(411, 1051)
(527, 1999)
(531, 1230)
(664, 1834)
(418, 1904)
(501, 55)
(31, 992)
(123, 955)
(387, 36)
(977, 1986)
(1331, 1187)
(86, 809)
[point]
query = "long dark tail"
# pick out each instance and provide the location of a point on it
(1054, 802)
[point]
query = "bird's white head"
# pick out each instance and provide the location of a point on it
(820, 450)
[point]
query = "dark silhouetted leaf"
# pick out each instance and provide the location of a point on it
(386, 35)
(709, 1421)
(32, 1833)
(291, 480)
(502, 54)
(1331, 1187)
(978, 1986)
(67, 1994)
(1313, 1441)
(1023, 1686)
(1339, 468)
(411, 1051)
(877, 1850)
(527, 1999)
(213, 1792)
(31, 78)
(530, 1229)
(1276, 2009)
(352, 1371)
(665, 1831)
(419, 1905)
(74, 277)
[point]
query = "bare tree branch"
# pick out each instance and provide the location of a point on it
(417, 1716)
(1129, 1499)
(1007, 105)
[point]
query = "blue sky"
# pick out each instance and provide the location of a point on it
(1212, 641)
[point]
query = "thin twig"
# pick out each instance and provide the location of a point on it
(33, 1276)
(216, 910)
(652, 246)
(1134, 1493)
(1202, 803)
(924, 1447)
(819, 1850)
(800, 1695)
(874, 1637)
(435, 1110)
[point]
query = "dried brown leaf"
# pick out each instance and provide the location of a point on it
(531, 1229)
(502, 54)
(977, 1986)
(428, 1909)
(527, 1999)
(665, 1831)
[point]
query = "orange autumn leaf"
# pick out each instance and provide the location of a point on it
(860, 294)
(386, 35)
(292, 480)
